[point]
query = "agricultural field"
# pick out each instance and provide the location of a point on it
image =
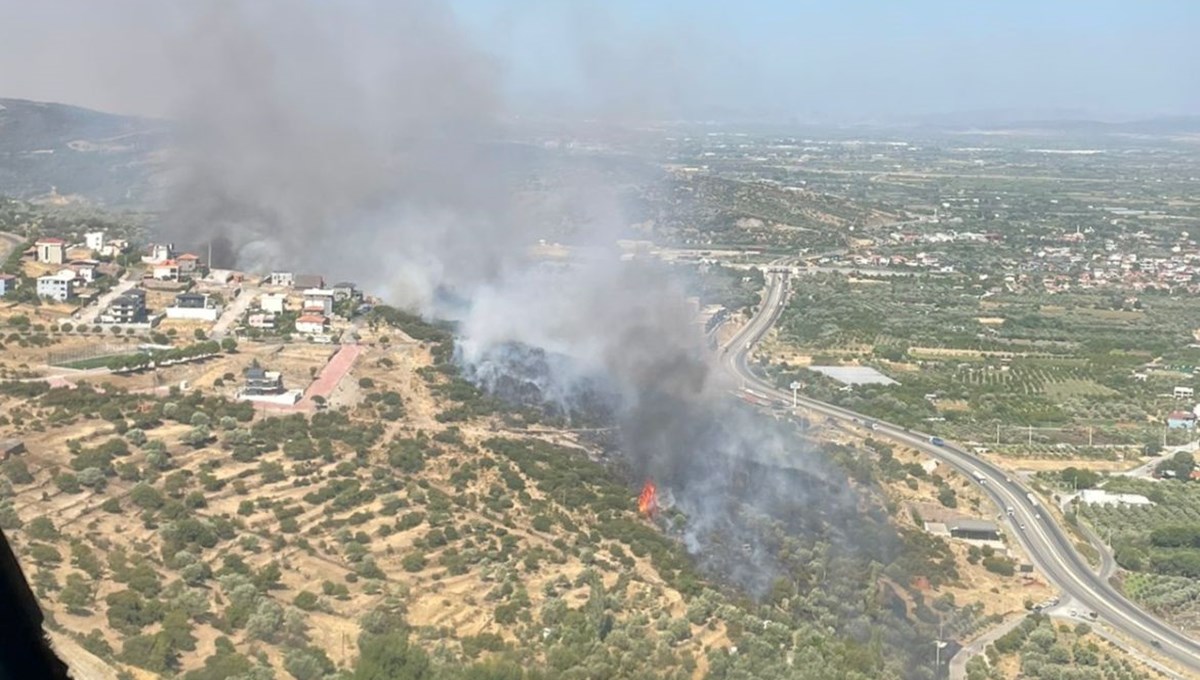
(1157, 546)
(1077, 374)
(1040, 648)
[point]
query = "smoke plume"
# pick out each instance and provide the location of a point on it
(309, 144)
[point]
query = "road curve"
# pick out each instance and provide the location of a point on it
(1047, 544)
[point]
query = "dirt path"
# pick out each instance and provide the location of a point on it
(8, 241)
(332, 373)
(83, 664)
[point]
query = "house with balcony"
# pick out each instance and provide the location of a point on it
(318, 301)
(59, 286)
(129, 308)
(311, 324)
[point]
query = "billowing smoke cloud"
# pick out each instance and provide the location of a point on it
(308, 146)
(314, 140)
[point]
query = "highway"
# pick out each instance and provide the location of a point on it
(1049, 546)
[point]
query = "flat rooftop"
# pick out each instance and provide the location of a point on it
(854, 375)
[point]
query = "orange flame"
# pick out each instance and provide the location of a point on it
(648, 499)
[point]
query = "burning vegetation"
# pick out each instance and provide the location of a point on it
(648, 500)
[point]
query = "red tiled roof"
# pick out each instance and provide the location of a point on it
(311, 318)
(188, 256)
(1182, 415)
(50, 241)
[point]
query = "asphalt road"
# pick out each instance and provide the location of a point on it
(1048, 545)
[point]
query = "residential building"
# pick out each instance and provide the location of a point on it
(166, 270)
(159, 252)
(188, 264)
(259, 381)
(261, 320)
(191, 300)
(94, 240)
(1181, 420)
(346, 291)
(303, 281)
(7, 282)
(311, 324)
(275, 303)
(193, 307)
(85, 270)
(318, 301)
(279, 279)
(58, 286)
(127, 308)
(974, 529)
(51, 250)
(1184, 393)
(113, 248)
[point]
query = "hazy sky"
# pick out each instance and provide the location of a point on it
(694, 58)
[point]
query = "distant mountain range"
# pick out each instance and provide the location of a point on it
(60, 152)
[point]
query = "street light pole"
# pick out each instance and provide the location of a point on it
(796, 385)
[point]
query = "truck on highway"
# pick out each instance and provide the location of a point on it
(1032, 499)
(978, 476)
(937, 441)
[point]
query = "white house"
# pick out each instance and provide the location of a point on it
(167, 270)
(318, 301)
(58, 286)
(114, 247)
(311, 324)
(193, 307)
(7, 282)
(94, 240)
(160, 252)
(261, 320)
(51, 250)
(275, 303)
(280, 279)
(1184, 392)
(85, 270)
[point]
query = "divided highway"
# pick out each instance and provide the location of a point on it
(1048, 545)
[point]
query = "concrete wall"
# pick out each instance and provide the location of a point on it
(193, 313)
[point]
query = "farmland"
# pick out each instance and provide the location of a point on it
(1038, 377)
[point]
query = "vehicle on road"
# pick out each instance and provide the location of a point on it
(1156, 644)
(1032, 499)
(937, 441)
(978, 476)
(1009, 509)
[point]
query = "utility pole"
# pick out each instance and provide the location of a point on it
(1089, 435)
(937, 646)
(1031, 435)
(796, 385)
(997, 434)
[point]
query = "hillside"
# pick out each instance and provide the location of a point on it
(60, 152)
(184, 533)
